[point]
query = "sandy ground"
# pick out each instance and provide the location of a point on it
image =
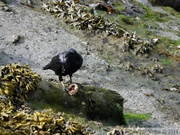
(42, 37)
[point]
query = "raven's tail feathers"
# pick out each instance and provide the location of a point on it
(48, 66)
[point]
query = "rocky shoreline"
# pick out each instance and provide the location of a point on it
(43, 36)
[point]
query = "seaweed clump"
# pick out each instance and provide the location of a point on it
(16, 81)
(136, 45)
(26, 121)
(81, 17)
(85, 18)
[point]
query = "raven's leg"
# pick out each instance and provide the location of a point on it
(61, 80)
(70, 75)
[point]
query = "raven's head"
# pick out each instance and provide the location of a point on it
(73, 51)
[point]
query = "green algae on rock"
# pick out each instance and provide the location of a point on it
(136, 117)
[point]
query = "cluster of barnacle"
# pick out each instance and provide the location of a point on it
(151, 70)
(83, 18)
(136, 44)
(17, 80)
(15, 83)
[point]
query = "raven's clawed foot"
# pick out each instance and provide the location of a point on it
(64, 88)
(71, 90)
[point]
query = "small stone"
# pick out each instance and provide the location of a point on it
(83, 103)
(6, 8)
(16, 39)
(155, 40)
(84, 43)
(137, 18)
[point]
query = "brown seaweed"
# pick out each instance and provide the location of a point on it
(16, 81)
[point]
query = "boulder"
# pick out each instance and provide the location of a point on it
(89, 102)
(171, 3)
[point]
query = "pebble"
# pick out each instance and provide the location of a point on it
(16, 39)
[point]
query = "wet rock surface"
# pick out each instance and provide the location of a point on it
(44, 37)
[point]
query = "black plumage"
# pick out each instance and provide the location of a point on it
(65, 63)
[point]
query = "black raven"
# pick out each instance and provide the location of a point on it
(65, 63)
